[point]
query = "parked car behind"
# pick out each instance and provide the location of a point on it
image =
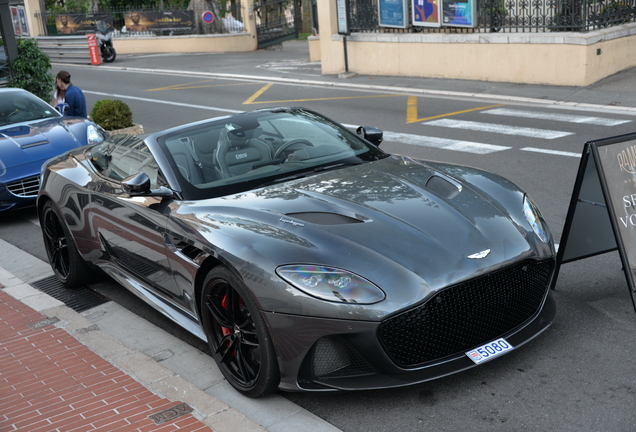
(31, 132)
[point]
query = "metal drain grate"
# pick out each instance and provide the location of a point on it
(78, 299)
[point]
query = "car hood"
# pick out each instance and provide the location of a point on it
(23, 144)
(397, 222)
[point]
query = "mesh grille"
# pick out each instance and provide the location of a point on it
(332, 358)
(466, 315)
(27, 187)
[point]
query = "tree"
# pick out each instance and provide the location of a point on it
(31, 70)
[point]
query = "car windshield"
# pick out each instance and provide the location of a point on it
(261, 147)
(18, 106)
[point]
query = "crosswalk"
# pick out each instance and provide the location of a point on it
(492, 127)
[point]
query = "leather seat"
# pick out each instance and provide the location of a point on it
(238, 150)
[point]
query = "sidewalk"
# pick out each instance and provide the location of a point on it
(107, 369)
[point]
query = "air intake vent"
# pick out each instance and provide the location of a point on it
(324, 218)
(442, 187)
(27, 187)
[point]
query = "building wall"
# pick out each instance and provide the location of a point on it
(560, 58)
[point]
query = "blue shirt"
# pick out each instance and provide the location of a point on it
(76, 101)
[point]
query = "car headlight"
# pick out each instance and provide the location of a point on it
(535, 220)
(331, 284)
(94, 135)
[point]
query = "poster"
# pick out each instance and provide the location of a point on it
(159, 21)
(426, 13)
(393, 13)
(80, 24)
(459, 13)
(15, 19)
(24, 26)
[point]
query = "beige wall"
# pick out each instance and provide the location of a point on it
(184, 44)
(562, 58)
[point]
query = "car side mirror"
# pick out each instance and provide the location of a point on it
(371, 134)
(139, 184)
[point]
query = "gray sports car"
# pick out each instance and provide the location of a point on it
(307, 258)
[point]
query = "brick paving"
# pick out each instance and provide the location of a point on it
(50, 382)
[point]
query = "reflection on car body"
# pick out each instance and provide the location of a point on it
(308, 258)
(31, 131)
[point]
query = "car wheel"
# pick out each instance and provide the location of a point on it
(237, 334)
(68, 265)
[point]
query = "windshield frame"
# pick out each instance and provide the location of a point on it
(362, 151)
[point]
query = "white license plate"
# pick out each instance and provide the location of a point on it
(489, 350)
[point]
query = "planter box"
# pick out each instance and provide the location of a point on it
(135, 129)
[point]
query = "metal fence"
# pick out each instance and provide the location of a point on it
(130, 22)
(511, 16)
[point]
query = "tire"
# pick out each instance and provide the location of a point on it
(67, 264)
(108, 54)
(237, 334)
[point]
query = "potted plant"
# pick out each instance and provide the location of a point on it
(114, 116)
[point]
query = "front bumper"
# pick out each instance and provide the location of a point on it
(318, 354)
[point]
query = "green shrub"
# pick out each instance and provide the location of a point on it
(31, 70)
(112, 114)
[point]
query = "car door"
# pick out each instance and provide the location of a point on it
(131, 229)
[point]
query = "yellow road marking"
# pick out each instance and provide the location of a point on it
(252, 99)
(258, 93)
(194, 85)
(411, 111)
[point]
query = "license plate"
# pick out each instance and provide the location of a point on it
(489, 351)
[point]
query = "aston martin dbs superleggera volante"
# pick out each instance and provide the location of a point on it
(307, 258)
(32, 131)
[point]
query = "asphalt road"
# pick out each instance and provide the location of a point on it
(577, 376)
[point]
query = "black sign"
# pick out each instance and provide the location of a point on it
(602, 213)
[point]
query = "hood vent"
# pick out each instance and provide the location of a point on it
(443, 187)
(324, 218)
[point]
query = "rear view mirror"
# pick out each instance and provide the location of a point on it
(371, 134)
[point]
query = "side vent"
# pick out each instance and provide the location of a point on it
(443, 187)
(190, 251)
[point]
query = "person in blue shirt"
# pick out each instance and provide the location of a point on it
(73, 95)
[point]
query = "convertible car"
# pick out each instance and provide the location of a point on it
(31, 131)
(307, 258)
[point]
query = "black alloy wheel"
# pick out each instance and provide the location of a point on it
(69, 267)
(237, 335)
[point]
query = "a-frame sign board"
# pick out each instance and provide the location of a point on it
(602, 213)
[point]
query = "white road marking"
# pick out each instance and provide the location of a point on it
(600, 121)
(497, 128)
(553, 152)
(443, 143)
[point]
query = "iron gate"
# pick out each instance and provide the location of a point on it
(275, 21)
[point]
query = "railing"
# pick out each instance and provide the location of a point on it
(127, 22)
(511, 16)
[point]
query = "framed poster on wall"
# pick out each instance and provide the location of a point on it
(426, 13)
(393, 13)
(459, 13)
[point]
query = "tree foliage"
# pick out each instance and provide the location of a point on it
(31, 70)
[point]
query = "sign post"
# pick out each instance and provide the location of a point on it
(602, 213)
(342, 13)
(93, 49)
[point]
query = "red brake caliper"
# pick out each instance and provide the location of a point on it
(226, 331)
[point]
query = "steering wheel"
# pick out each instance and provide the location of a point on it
(288, 144)
(21, 115)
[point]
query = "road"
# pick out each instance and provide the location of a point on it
(576, 376)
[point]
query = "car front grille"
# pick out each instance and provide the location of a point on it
(26, 187)
(466, 315)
